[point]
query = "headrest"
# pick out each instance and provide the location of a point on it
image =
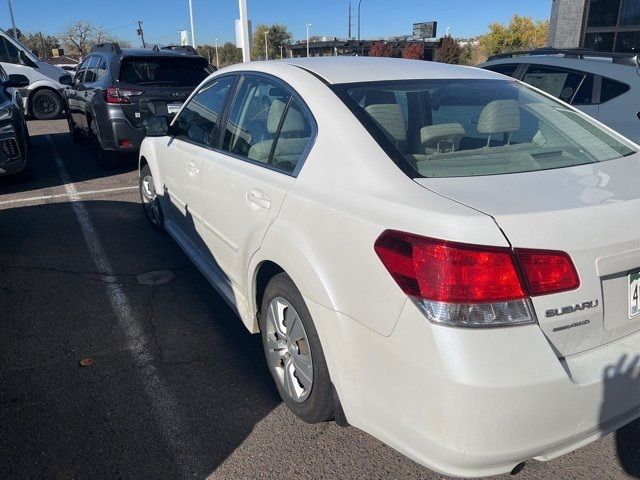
(499, 116)
(378, 97)
(432, 134)
(390, 118)
(294, 122)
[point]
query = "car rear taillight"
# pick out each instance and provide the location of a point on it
(120, 95)
(471, 285)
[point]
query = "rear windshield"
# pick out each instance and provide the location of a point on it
(164, 71)
(460, 128)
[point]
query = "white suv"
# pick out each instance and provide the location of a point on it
(441, 256)
(603, 85)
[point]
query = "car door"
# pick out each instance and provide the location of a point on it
(75, 90)
(84, 91)
(266, 137)
(571, 86)
(180, 158)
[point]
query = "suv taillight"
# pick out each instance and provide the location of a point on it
(471, 285)
(120, 95)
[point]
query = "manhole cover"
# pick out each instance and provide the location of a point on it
(155, 277)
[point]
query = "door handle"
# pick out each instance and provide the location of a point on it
(192, 169)
(259, 199)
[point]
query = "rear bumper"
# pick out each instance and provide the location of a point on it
(477, 402)
(116, 128)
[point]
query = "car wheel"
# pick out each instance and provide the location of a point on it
(76, 135)
(46, 105)
(149, 199)
(293, 352)
(106, 159)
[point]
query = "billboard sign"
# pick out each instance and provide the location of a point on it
(425, 29)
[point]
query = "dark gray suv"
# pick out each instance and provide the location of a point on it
(115, 89)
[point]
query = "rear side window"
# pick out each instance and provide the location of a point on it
(198, 120)
(508, 69)
(462, 128)
(612, 89)
(561, 83)
(267, 125)
(163, 71)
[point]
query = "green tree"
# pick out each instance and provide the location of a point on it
(10, 32)
(522, 33)
(380, 49)
(41, 46)
(448, 51)
(277, 35)
(229, 54)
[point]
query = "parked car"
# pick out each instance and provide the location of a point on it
(603, 85)
(15, 144)
(115, 89)
(42, 97)
(432, 253)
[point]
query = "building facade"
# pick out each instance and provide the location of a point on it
(602, 25)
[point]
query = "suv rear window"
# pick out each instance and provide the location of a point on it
(164, 71)
(462, 128)
(612, 89)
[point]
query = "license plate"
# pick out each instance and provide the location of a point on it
(174, 107)
(634, 294)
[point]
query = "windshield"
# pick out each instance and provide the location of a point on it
(164, 71)
(456, 128)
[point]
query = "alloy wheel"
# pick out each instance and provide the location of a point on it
(288, 352)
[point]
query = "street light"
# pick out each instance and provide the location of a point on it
(308, 25)
(193, 33)
(217, 60)
(266, 45)
(13, 20)
(359, 1)
(281, 57)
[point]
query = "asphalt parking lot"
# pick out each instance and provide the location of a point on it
(176, 387)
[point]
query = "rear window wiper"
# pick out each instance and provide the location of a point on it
(160, 82)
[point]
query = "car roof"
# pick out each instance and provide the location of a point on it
(600, 66)
(335, 70)
(148, 52)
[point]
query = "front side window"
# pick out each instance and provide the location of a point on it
(267, 125)
(164, 71)
(8, 52)
(508, 69)
(460, 128)
(198, 120)
(81, 70)
(90, 75)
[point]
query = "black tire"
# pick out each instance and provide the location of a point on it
(105, 159)
(155, 218)
(46, 104)
(319, 404)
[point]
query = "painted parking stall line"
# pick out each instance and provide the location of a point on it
(42, 198)
(169, 420)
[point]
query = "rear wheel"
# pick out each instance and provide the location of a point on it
(149, 199)
(293, 352)
(46, 104)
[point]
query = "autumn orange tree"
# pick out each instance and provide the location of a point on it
(522, 33)
(380, 49)
(414, 51)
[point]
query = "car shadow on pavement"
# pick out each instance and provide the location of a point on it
(622, 387)
(62, 420)
(43, 173)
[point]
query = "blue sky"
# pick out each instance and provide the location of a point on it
(215, 18)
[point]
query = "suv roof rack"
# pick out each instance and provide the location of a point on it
(112, 47)
(579, 53)
(176, 48)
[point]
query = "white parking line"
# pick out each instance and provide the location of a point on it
(164, 407)
(63, 195)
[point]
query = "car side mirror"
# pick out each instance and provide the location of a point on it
(17, 81)
(156, 126)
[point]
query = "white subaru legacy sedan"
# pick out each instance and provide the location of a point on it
(441, 256)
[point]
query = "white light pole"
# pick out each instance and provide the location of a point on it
(281, 57)
(266, 45)
(193, 32)
(308, 25)
(244, 27)
(217, 60)
(13, 20)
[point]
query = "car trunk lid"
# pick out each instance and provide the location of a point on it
(588, 211)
